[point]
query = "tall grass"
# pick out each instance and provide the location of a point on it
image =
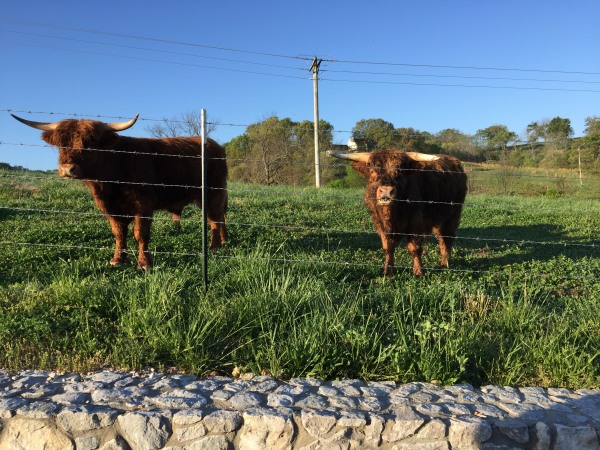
(520, 305)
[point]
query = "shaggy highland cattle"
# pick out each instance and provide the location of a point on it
(411, 195)
(130, 177)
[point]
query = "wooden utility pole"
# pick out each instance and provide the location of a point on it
(314, 68)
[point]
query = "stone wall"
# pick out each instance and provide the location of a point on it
(114, 410)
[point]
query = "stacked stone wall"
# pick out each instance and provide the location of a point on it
(118, 411)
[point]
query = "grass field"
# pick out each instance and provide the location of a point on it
(298, 291)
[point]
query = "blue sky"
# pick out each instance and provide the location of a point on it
(244, 61)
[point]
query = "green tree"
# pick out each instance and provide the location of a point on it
(536, 131)
(278, 151)
(589, 145)
(495, 139)
(456, 143)
(592, 126)
(558, 133)
(372, 134)
(559, 129)
(409, 138)
(305, 157)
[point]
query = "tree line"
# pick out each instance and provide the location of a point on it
(281, 151)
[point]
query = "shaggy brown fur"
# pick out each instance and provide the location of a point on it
(130, 178)
(410, 199)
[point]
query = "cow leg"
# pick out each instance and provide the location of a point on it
(415, 248)
(141, 232)
(389, 246)
(223, 231)
(216, 220)
(218, 231)
(446, 235)
(119, 229)
(445, 243)
(177, 220)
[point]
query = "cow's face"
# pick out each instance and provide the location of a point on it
(78, 142)
(384, 177)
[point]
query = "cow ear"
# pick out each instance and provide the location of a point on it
(50, 137)
(362, 168)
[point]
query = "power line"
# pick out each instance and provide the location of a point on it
(177, 63)
(544, 80)
(170, 52)
(294, 57)
(153, 39)
(407, 83)
(338, 80)
(440, 66)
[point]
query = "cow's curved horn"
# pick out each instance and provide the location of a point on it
(44, 126)
(422, 156)
(120, 126)
(358, 156)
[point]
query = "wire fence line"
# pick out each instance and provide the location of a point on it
(310, 127)
(284, 260)
(343, 196)
(335, 164)
(299, 228)
(337, 193)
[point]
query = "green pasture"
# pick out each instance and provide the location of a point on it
(298, 291)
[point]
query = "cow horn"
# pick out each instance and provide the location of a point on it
(358, 156)
(422, 156)
(44, 126)
(120, 126)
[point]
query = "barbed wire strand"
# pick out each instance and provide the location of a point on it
(311, 262)
(310, 127)
(468, 170)
(97, 215)
(331, 193)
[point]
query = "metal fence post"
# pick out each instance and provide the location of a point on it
(204, 196)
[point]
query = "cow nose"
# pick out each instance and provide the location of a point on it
(68, 170)
(385, 194)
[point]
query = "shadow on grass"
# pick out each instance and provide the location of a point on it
(518, 244)
(474, 248)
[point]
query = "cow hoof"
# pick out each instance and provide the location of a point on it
(117, 261)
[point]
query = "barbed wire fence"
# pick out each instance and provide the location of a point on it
(13, 177)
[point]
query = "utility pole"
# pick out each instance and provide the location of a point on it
(314, 68)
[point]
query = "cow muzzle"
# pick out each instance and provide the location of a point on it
(69, 171)
(386, 195)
